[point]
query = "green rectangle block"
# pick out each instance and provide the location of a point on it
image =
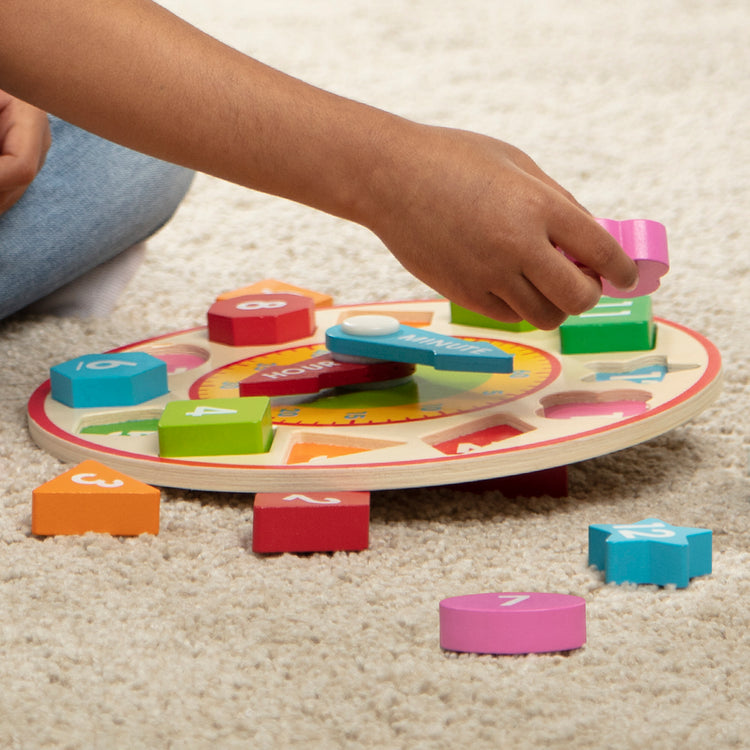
(465, 317)
(613, 325)
(216, 427)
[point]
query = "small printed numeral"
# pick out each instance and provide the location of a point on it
(313, 500)
(105, 364)
(644, 531)
(202, 411)
(512, 599)
(92, 479)
(271, 304)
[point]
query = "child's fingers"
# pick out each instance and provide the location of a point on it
(493, 307)
(536, 300)
(14, 172)
(12, 184)
(573, 229)
(582, 238)
(565, 288)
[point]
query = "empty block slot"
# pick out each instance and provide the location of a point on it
(477, 435)
(653, 368)
(178, 357)
(309, 447)
(134, 422)
(572, 404)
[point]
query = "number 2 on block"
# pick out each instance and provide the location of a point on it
(644, 531)
(314, 500)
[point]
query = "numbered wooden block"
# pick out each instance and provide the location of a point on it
(93, 497)
(258, 319)
(644, 241)
(466, 317)
(614, 325)
(313, 522)
(118, 379)
(512, 623)
(650, 551)
(383, 337)
(215, 427)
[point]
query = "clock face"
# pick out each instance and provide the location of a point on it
(428, 394)
(436, 427)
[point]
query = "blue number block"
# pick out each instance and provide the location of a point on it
(122, 379)
(650, 552)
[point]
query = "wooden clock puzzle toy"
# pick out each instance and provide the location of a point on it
(324, 424)
(311, 406)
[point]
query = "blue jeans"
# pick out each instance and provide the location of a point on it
(91, 200)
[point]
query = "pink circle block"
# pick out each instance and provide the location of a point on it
(512, 623)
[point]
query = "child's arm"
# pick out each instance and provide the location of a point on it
(471, 216)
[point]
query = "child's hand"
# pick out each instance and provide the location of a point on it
(24, 142)
(478, 221)
(472, 217)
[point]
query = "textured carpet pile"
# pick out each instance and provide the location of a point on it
(189, 640)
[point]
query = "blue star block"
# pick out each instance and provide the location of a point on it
(650, 551)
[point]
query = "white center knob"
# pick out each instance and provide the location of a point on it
(370, 325)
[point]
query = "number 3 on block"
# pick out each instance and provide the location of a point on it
(93, 480)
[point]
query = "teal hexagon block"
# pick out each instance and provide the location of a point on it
(115, 379)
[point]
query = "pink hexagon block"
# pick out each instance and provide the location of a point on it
(512, 623)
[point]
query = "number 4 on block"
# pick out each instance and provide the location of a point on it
(93, 497)
(216, 427)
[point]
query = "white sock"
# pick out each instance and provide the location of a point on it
(95, 294)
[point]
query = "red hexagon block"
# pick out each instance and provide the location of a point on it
(257, 319)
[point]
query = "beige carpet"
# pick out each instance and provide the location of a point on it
(189, 640)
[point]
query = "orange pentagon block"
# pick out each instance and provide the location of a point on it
(271, 286)
(257, 319)
(311, 522)
(93, 497)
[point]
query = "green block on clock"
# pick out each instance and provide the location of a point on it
(613, 325)
(465, 317)
(216, 427)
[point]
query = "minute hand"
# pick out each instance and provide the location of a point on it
(407, 344)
